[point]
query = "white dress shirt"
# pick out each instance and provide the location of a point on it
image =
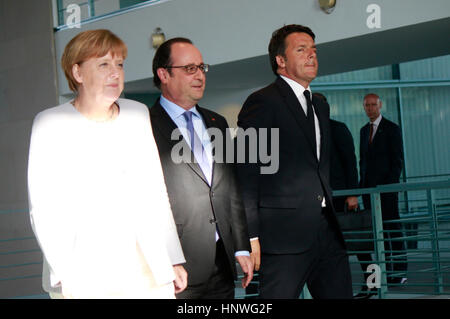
(298, 91)
(375, 123)
(176, 114)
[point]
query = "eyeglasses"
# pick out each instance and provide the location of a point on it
(191, 68)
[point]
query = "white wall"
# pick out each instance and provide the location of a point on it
(233, 30)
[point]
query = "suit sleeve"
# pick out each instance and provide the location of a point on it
(253, 115)
(156, 230)
(239, 223)
(159, 195)
(396, 151)
(50, 219)
(238, 220)
(346, 150)
(362, 159)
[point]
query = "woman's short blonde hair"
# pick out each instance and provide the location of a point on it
(88, 44)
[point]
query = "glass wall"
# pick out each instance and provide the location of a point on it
(416, 96)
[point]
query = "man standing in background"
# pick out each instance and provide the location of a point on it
(343, 171)
(381, 159)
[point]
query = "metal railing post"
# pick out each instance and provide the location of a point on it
(439, 288)
(377, 224)
(91, 8)
(305, 293)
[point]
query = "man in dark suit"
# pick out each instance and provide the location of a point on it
(203, 193)
(293, 230)
(381, 158)
(343, 171)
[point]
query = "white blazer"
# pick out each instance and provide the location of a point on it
(96, 190)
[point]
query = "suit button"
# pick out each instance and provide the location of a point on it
(212, 194)
(319, 198)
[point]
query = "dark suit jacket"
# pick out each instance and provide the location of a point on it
(284, 209)
(195, 204)
(381, 161)
(343, 172)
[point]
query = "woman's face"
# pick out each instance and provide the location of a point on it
(101, 78)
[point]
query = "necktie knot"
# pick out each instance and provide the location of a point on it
(307, 95)
(188, 116)
(309, 107)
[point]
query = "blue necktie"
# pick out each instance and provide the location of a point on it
(197, 147)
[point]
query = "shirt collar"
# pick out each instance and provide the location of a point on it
(296, 87)
(377, 121)
(174, 110)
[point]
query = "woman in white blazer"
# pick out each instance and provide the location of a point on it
(98, 203)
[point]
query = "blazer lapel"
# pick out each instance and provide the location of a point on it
(167, 126)
(322, 117)
(380, 130)
(210, 122)
(365, 138)
(295, 107)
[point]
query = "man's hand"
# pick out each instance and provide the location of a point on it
(255, 255)
(180, 281)
(352, 202)
(247, 268)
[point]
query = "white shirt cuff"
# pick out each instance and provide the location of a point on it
(242, 253)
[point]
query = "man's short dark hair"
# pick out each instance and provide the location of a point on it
(162, 57)
(277, 45)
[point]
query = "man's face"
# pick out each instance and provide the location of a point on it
(372, 106)
(178, 86)
(300, 61)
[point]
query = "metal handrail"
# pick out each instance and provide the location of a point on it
(435, 266)
(434, 235)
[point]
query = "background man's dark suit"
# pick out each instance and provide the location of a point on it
(344, 174)
(195, 204)
(381, 163)
(285, 209)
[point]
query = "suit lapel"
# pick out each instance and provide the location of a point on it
(322, 117)
(210, 122)
(166, 126)
(380, 130)
(365, 138)
(296, 109)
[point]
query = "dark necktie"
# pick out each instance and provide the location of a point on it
(310, 118)
(197, 147)
(371, 133)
